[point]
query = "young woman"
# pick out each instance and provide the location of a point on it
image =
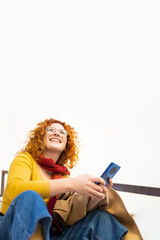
(38, 176)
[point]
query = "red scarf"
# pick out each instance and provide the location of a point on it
(58, 171)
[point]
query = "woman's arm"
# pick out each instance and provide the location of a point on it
(83, 184)
(20, 175)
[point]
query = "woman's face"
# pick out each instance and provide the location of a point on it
(55, 138)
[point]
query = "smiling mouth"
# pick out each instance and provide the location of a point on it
(55, 140)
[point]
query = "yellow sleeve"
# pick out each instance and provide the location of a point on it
(20, 178)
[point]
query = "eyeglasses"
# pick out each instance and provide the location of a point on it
(61, 132)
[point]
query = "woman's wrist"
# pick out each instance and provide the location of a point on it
(59, 186)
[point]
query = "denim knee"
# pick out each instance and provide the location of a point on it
(107, 224)
(27, 209)
(98, 216)
(96, 225)
(27, 198)
(30, 203)
(28, 194)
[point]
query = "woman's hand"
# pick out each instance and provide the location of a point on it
(94, 201)
(83, 184)
(86, 185)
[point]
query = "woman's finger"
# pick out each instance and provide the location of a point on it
(110, 183)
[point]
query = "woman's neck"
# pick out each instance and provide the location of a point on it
(53, 155)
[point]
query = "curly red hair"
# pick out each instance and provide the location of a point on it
(35, 146)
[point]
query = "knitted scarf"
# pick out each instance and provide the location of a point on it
(58, 171)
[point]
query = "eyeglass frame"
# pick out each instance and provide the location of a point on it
(54, 130)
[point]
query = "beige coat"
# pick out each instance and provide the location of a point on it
(71, 207)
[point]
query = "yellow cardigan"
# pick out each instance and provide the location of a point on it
(24, 175)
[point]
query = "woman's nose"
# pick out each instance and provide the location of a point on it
(56, 133)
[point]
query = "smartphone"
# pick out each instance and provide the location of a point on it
(110, 171)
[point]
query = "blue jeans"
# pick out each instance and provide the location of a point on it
(26, 210)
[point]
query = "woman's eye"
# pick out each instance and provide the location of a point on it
(61, 132)
(50, 130)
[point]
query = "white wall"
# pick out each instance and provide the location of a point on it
(93, 64)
